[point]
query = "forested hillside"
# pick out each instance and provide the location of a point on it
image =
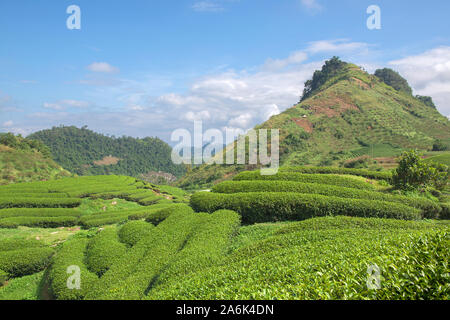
(86, 152)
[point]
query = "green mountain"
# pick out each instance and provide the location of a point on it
(346, 117)
(25, 160)
(86, 152)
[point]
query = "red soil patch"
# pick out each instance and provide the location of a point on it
(5, 148)
(361, 83)
(331, 105)
(304, 123)
(107, 161)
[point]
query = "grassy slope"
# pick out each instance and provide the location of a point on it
(354, 111)
(26, 166)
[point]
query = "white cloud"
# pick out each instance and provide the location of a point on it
(207, 6)
(241, 121)
(428, 74)
(64, 104)
(311, 5)
(236, 99)
(230, 99)
(102, 67)
(197, 116)
(294, 58)
(338, 46)
(8, 124)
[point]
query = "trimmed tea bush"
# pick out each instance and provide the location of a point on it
(38, 222)
(16, 202)
(317, 262)
(378, 175)
(112, 217)
(26, 261)
(19, 243)
(149, 211)
(148, 201)
(33, 195)
(37, 212)
(132, 275)
(430, 208)
(122, 194)
(159, 216)
(330, 179)
(133, 231)
(103, 250)
(103, 220)
(207, 247)
(72, 253)
(271, 206)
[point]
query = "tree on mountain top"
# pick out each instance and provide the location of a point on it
(330, 69)
(393, 79)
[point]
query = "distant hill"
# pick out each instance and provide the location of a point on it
(25, 160)
(86, 152)
(345, 114)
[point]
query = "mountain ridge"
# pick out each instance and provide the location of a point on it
(346, 113)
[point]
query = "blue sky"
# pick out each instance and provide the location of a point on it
(148, 67)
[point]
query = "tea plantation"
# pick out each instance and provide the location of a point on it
(304, 233)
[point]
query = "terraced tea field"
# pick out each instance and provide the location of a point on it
(304, 233)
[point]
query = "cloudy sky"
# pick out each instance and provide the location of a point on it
(148, 67)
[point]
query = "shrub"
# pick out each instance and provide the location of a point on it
(268, 206)
(430, 208)
(439, 145)
(103, 250)
(445, 213)
(414, 173)
(72, 253)
(26, 261)
(330, 179)
(38, 222)
(133, 231)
